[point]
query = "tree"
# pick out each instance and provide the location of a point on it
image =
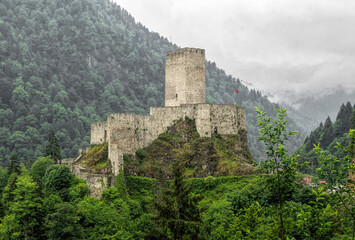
(317, 221)
(343, 120)
(9, 228)
(58, 179)
(352, 121)
(176, 210)
(39, 168)
(25, 209)
(111, 223)
(53, 148)
(14, 165)
(279, 164)
(4, 175)
(327, 137)
(63, 223)
(336, 172)
(217, 219)
(349, 113)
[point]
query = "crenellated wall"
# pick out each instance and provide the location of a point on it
(126, 133)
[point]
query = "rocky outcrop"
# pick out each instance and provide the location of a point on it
(218, 155)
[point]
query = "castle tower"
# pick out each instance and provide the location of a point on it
(185, 77)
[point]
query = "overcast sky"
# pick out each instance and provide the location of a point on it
(291, 49)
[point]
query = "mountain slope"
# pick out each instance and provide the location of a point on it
(317, 108)
(65, 64)
(328, 134)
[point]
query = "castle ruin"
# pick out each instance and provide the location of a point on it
(184, 97)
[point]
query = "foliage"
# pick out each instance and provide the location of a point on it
(100, 220)
(317, 221)
(336, 172)
(58, 179)
(97, 157)
(7, 195)
(176, 215)
(328, 134)
(119, 190)
(9, 228)
(14, 166)
(235, 207)
(78, 191)
(4, 175)
(53, 148)
(39, 168)
(24, 209)
(63, 223)
(279, 163)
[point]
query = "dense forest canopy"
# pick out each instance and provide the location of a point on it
(66, 64)
(327, 135)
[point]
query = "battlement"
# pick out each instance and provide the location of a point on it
(183, 51)
(185, 77)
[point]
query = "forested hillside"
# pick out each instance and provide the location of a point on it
(327, 135)
(65, 64)
(319, 107)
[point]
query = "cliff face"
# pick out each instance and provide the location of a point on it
(218, 155)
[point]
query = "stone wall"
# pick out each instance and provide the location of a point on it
(97, 182)
(126, 133)
(121, 137)
(98, 133)
(185, 77)
(227, 119)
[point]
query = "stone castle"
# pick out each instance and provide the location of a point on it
(184, 97)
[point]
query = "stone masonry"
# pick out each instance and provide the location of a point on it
(184, 96)
(185, 77)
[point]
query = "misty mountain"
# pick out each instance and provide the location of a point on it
(312, 110)
(65, 64)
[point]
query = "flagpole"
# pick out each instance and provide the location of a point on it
(235, 93)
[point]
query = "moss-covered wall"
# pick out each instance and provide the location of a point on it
(95, 168)
(97, 157)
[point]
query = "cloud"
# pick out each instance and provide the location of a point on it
(291, 49)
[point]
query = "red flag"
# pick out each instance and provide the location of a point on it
(236, 90)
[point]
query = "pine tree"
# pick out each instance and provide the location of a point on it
(318, 132)
(327, 137)
(352, 122)
(343, 120)
(338, 128)
(310, 141)
(175, 210)
(53, 148)
(14, 166)
(349, 113)
(342, 112)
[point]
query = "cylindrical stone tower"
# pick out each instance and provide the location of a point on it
(185, 77)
